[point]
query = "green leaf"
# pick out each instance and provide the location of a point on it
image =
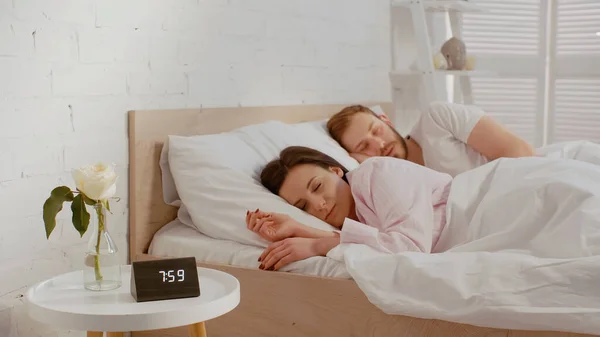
(53, 205)
(81, 217)
(106, 205)
(63, 193)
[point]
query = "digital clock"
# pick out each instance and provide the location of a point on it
(164, 279)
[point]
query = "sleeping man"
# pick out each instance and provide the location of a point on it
(449, 138)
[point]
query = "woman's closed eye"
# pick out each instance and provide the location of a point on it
(314, 188)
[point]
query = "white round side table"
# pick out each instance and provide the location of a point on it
(63, 302)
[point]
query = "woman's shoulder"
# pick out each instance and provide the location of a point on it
(378, 166)
(383, 163)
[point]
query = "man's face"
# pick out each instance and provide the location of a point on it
(371, 136)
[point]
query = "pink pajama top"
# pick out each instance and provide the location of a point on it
(401, 205)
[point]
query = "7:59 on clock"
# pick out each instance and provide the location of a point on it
(172, 275)
(164, 279)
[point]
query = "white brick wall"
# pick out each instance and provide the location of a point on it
(71, 69)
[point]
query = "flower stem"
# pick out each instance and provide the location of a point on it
(100, 230)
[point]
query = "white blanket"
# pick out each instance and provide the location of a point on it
(523, 249)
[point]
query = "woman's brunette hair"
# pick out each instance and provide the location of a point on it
(274, 173)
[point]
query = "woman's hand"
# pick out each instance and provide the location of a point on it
(272, 226)
(284, 252)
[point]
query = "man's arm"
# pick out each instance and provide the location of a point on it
(470, 125)
(494, 141)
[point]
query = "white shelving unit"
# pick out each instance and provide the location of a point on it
(415, 81)
(440, 5)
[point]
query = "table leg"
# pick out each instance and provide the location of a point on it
(197, 330)
(114, 334)
(95, 334)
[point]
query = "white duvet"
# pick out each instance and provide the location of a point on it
(523, 249)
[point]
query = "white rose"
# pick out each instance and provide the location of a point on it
(97, 182)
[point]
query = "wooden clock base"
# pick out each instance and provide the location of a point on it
(196, 330)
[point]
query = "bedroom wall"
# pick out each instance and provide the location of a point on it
(70, 69)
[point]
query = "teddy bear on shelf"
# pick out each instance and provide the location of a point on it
(453, 56)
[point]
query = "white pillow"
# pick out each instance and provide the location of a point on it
(170, 195)
(217, 176)
(377, 110)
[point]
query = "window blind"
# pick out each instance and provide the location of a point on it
(578, 27)
(505, 40)
(575, 113)
(506, 28)
(511, 101)
(577, 110)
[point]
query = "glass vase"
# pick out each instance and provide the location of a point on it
(102, 270)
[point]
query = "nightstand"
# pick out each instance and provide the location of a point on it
(64, 303)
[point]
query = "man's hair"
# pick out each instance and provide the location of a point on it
(338, 123)
(274, 173)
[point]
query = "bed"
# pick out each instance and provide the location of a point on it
(179, 239)
(272, 303)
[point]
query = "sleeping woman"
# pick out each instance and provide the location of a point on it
(389, 204)
(394, 205)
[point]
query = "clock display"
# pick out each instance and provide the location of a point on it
(170, 276)
(164, 279)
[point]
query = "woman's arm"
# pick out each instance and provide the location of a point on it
(290, 250)
(395, 198)
(324, 245)
(277, 226)
(304, 231)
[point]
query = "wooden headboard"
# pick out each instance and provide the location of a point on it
(148, 129)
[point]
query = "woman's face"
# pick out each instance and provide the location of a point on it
(320, 192)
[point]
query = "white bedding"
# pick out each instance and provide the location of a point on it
(543, 274)
(179, 240)
(526, 252)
